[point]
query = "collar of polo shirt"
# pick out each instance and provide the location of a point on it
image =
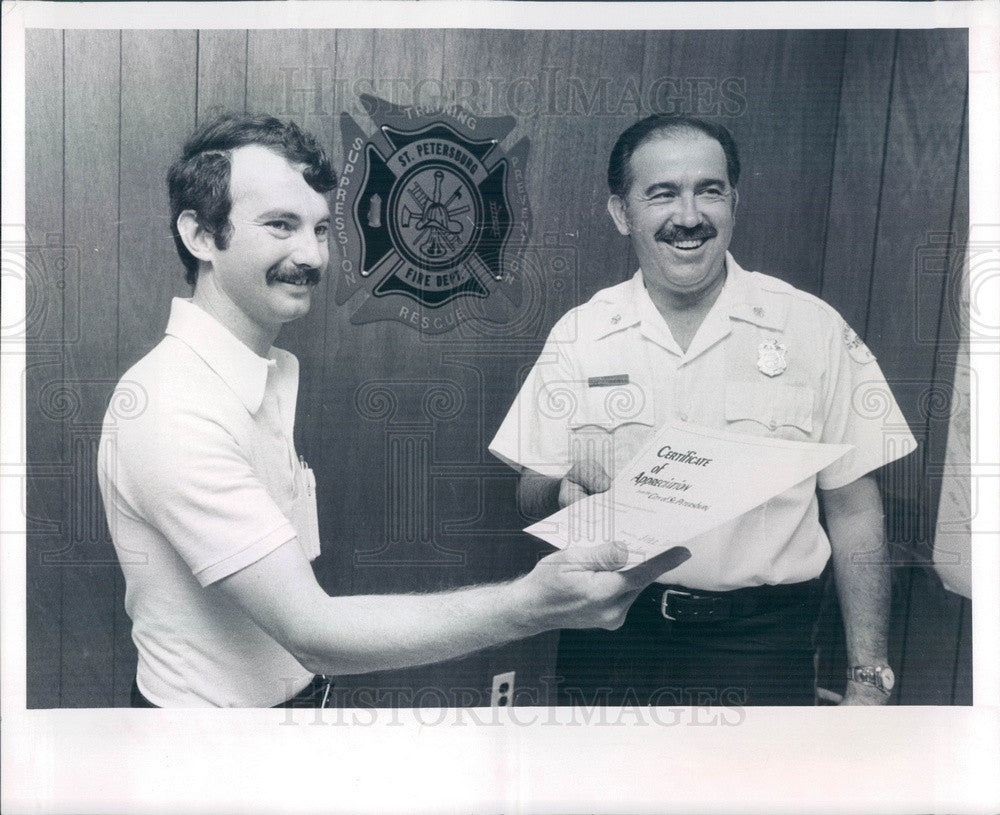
(239, 367)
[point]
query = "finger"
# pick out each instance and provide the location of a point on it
(598, 479)
(608, 557)
(590, 475)
(570, 492)
(650, 569)
(593, 477)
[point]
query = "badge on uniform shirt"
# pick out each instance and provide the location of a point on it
(771, 359)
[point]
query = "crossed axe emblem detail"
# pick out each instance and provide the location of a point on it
(435, 220)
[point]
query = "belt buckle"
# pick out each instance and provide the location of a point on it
(665, 602)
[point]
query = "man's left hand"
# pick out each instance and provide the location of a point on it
(861, 693)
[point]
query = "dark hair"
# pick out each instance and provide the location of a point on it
(199, 179)
(620, 163)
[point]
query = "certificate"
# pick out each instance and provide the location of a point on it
(686, 481)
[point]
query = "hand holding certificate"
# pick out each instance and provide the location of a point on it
(686, 481)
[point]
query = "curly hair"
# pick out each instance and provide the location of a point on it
(659, 125)
(199, 179)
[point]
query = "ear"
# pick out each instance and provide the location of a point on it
(736, 199)
(198, 240)
(616, 209)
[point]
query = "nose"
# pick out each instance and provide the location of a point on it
(687, 214)
(310, 250)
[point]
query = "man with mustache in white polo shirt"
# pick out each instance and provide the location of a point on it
(212, 514)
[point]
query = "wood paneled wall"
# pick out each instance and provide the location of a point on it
(854, 188)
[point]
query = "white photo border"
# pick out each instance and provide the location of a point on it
(772, 760)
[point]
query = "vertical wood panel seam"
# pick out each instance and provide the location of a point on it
(949, 248)
(246, 70)
(958, 648)
(629, 261)
(881, 182)
(329, 300)
(910, 571)
(931, 508)
(868, 306)
(197, 73)
(354, 577)
(118, 219)
(444, 59)
(62, 357)
(374, 58)
(118, 312)
(833, 161)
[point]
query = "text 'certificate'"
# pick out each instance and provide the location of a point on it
(686, 481)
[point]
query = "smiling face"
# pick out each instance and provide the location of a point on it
(276, 252)
(679, 212)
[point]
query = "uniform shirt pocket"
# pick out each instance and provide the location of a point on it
(609, 407)
(769, 408)
(611, 425)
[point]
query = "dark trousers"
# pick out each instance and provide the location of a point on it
(312, 695)
(758, 650)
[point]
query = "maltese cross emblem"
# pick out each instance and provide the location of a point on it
(437, 216)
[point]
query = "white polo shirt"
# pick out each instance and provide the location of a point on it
(611, 372)
(200, 479)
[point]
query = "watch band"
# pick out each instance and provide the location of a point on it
(881, 676)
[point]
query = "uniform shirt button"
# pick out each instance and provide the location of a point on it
(684, 417)
(773, 425)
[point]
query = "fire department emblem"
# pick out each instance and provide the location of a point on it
(431, 216)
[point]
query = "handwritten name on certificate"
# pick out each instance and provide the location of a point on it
(685, 482)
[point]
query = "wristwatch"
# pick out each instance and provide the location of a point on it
(881, 676)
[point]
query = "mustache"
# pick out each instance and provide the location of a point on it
(310, 275)
(670, 233)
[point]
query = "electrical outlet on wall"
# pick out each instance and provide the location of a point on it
(503, 690)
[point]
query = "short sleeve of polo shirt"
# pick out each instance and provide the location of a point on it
(535, 433)
(861, 411)
(182, 472)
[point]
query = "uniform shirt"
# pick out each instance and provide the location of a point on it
(611, 373)
(200, 479)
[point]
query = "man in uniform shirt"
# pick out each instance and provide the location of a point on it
(692, 337)
(213, 516)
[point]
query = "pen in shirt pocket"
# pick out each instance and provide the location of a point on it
(310, 478)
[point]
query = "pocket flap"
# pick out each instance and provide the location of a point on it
(613, 406)
(770, 404)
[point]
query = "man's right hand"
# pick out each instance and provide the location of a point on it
(584, 587)
(584, 478)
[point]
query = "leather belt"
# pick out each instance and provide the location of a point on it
(683, 605)
(316, 694)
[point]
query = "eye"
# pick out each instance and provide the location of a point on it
(663, 195)
(279, 225)
(712, 193)
(323, 231)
